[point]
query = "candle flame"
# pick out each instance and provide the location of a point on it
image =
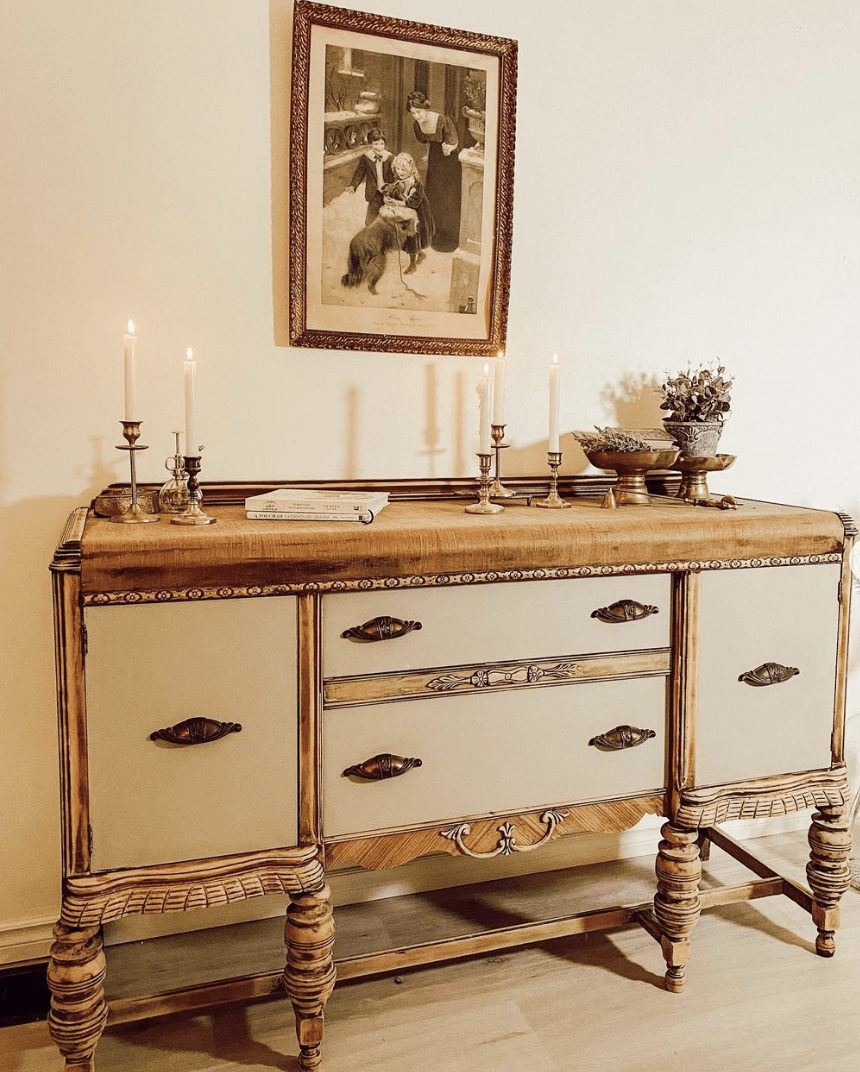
(487, 368)
(555, 359)
(189, 354)
(131, 327)
(501, 354)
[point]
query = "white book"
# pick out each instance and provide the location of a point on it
(317, 500)
(365, 517)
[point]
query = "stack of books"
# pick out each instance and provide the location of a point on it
(312, 504)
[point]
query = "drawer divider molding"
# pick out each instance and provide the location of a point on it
(491, 677)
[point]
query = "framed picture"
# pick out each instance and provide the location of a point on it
(401, 184)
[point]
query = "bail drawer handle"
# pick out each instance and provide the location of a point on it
(621, 737)
(382, 628)
(768, 674)
(624, 610)
(197, 730)
(377, 768)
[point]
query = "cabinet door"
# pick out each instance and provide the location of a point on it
(787, 615)
(151, 667)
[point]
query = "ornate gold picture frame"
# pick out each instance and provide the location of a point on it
(401, 184)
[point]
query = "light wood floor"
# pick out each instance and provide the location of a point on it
(758, 999)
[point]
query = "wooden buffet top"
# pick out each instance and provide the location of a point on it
(412, 538)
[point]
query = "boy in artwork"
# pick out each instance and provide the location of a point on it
(375, 171)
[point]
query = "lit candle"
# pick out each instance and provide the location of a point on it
(129, 344)
(190, 372)
(499, 389)
(484, 411)
(553, 405)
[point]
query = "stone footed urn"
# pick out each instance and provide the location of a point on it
(695, 439)
(476, 127)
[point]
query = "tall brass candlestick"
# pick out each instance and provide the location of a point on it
(553, 501)
(193, 515)
(134, 515)
(483, 505)
(497, 489)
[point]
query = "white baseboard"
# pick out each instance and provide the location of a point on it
(28, 940)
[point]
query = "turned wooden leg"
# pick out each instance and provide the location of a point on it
(828, 872)
(76, 973)
(676, 903)
(310, 974)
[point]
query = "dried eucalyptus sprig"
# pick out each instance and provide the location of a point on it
(610, 440)
(701, 395)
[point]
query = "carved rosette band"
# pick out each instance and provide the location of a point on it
(624, 610)
(196, 730)
(621, 737)
(506, 675)
(507, 843)
(381, 628)
(768, 674)
(441, 580)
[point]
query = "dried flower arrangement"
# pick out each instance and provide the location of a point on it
(611, 441)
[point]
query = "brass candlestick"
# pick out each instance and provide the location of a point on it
(497, 489)
(483, 505)
(553, 501)
(193, 515)
(134, 515)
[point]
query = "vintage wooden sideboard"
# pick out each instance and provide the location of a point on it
(437, 681)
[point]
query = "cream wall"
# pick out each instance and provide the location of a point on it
(686, 186)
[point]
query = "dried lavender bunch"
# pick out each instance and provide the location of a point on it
(610, 440)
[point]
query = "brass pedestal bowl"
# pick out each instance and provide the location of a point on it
(694, 475)
(630, 467)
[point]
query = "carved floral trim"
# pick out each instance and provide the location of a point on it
(442, 580)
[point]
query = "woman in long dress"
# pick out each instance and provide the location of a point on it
(443, 181)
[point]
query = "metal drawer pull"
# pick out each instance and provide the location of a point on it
(383, 766)
(624, 610)
(621, 737)
(768, 674)
(382, 628)
(197, 730)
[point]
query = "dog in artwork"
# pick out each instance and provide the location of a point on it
(368, 250)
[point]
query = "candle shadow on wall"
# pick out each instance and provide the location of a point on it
(461, 461)
(350, 433)
(432, 433)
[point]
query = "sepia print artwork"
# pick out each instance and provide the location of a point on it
(401, 180)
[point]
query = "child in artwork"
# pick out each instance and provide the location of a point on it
(407, 191)
(374, 170)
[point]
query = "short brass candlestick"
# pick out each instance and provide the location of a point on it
(193, 515)
(483, 505)
(134, 515)
(553, 500)
(497, 489)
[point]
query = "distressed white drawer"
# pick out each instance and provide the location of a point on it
(152, 667)
(786, 615)
(488, 754)
(492, 622)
